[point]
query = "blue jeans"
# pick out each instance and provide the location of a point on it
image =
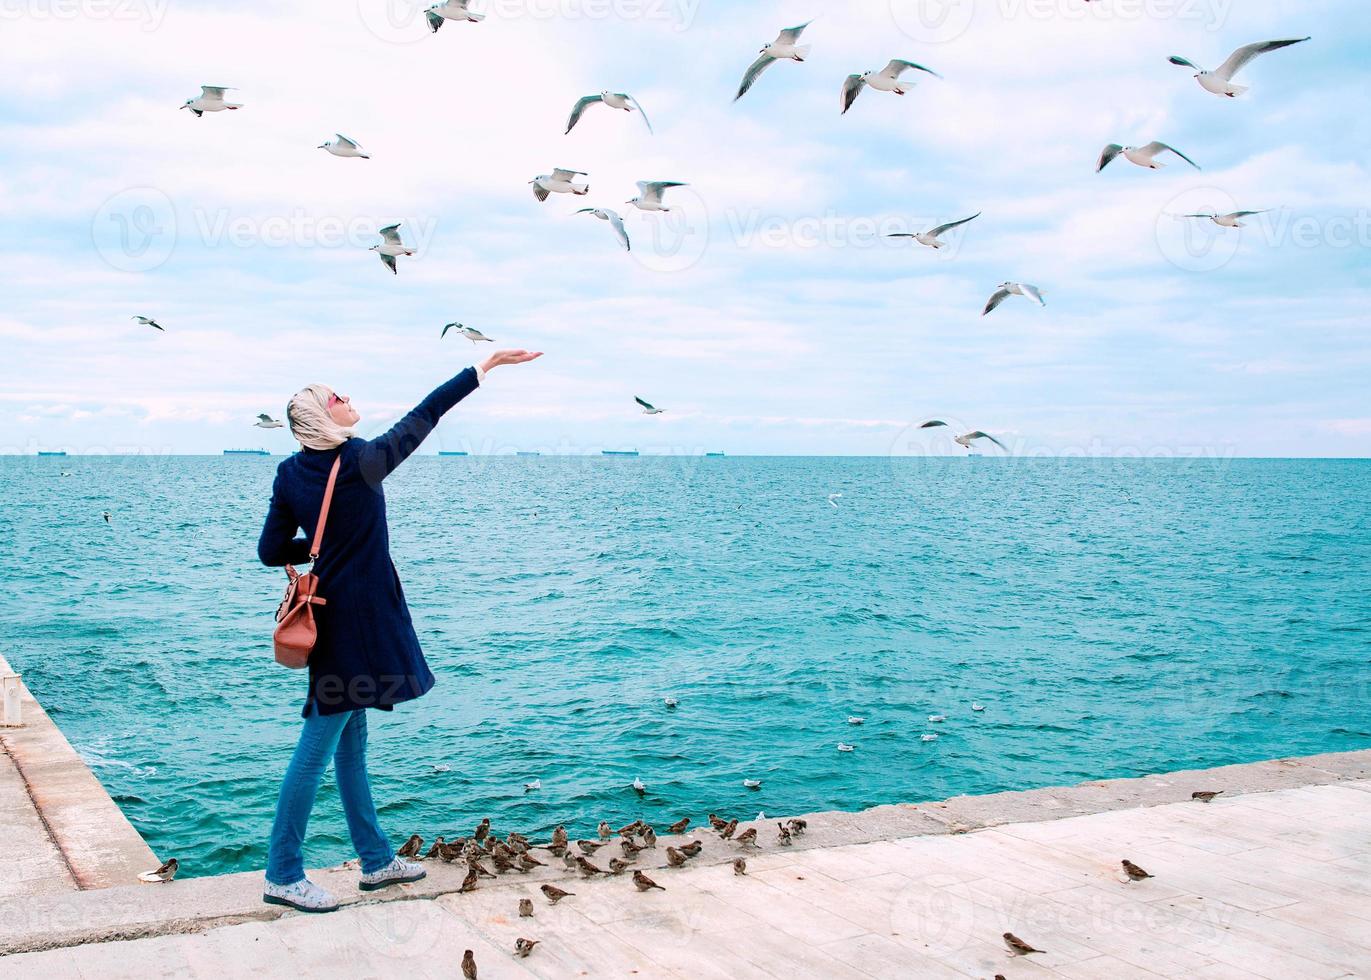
(341, 738)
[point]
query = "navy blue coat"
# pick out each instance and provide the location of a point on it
(367, 655)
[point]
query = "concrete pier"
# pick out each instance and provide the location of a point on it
(61, 831)
(1270, 880)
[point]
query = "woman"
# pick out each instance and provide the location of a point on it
(367, 655)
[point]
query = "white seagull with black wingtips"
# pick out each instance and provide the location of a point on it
(560, 181)
(650, 194)
(210, 99)
(783, 48)
(615, 100)
(1143, 156)
(885, 80)
(451, 10)
(1220, 80)
(391, 247)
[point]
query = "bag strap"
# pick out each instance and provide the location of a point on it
(323, 511)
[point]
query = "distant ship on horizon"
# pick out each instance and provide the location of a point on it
(618, 452)
(52, 452)
(452, 452)
(246, 452)
(714, 454)
(527, 452)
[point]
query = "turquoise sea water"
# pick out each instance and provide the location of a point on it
(1115, 617)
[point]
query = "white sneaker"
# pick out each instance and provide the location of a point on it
(303, 896)
(397, 872)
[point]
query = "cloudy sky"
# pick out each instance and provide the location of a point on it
(768, 313)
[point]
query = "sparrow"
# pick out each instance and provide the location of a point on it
(1205, 795)
(718, 823)
(674, 858)
(649, 836)
(469, 882)
(680, 825)
(522, 946)
(604, 830)
(643, 883)
(798, 826)
(729, 829)
(569, 860)
(525, 908)
(517, 838)
(411, 847)
(559, 837)
(618, 867)
(748, 836)
(475, 865)
(783, 835)
(630, 829)
(482, 830)
(163, 874)
(1134, 872)
(740, 866)
(630, 849)
(1017, 946)
(692, 849)
(448, 852)
(588, 869)
(469, 965)
(555, 894)
(502, 863)
(590, 846)
(527, 862)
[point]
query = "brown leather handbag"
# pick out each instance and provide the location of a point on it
(296, 632)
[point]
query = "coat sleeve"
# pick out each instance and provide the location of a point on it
(278, 544)
(380, 456)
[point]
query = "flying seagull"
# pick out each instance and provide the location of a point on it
(1143, 156)
(650, 194)
(265, 421)
(885, 80)
(148, 321)
(833, 498)
(450, 10)
(783, 48)
(1007, 289)
(341, 146)
(615, 100)
(930, 237)
(558, 182)
(647, 408)
(966, 441)
(1220, 80)
(470, 333)
(615, 221)
(1230, 220)
(391, 247)
(210, 99)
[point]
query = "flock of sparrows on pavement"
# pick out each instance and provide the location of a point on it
(485, 855)
(785, 47)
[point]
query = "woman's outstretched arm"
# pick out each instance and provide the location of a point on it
(278, 544)
(380, 456)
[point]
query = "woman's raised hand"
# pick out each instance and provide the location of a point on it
(510, 357)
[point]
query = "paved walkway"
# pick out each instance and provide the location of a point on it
(33, 865)
(1270, 884)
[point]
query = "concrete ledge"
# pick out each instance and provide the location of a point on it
(94, 838)
(199, 904)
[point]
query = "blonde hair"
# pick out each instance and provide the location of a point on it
(311, 423)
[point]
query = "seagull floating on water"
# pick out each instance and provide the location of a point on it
(1007, 289)
(844, 747)
(1143, 156)
(1220, 80)
(977, 707)
(210, 99)
(615, 100)
(265, 421)
(638, 786)
(930, 237)
(929, 737)
(670, 702)
(470, 333)
(752, 783)
(451, 10)
(783, 48)
(615, 221)
(391, 247)
(650, 194)
(885, 80)
(536, 784)
(560, 181)
(1230, 220)
(341, 146)
(148, 321)
(937, 718)
(648, 409)
(855, 720)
